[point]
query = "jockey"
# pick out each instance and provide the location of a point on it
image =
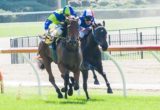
(57, 18)
(85, 22)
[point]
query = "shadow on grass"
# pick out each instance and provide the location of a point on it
(78, 101)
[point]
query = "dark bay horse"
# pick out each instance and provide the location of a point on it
(69, 56)
(92, 54)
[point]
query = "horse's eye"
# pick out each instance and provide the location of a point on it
(102, 30)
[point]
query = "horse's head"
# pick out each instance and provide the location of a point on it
(72, 32)
(100, 35)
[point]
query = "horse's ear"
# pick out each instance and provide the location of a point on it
(104, 23)
(94, 25)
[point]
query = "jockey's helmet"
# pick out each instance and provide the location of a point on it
(68, 10)
(88, 15)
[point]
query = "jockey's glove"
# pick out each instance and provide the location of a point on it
(61, 23)
(89, 28)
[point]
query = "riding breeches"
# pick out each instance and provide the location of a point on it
(57, 31)
(83, 33)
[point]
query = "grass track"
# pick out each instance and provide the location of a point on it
(28, 100)
(35, 28)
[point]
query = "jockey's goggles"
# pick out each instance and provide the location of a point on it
(66, 15)
(88, 18)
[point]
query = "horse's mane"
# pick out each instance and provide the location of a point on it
(64, 28)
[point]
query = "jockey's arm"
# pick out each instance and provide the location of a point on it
(47, 24)
(51, 19)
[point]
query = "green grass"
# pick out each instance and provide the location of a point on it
(28, 100)
(115, 24)
(35, 28)
(21, 29)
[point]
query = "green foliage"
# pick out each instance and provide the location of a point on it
(51, 3)
(103, 2)
(3, 11)
(124, 4)
(138, 2)
(27, 5)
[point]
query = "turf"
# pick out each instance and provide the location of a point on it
(28, 100)
(35, 28)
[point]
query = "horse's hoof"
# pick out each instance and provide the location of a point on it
(96, 82)
(60, 96)
(63, 89)
(88, 98)
(70, 92)
(66, 97)
(76, 87)
(109, 91)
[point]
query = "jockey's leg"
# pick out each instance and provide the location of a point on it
(81, 34)
(55, 33)
(58, 31)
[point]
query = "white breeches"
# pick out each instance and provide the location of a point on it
(57, 31)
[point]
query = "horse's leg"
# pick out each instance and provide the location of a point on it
(63, 88)
(71, 83)
(47, 64)
(96, 82)
(66, 77)
(76, 80)
(100, 70)
(85, 78)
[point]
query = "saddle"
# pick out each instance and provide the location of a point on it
(53, 47)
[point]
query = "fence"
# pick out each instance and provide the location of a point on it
(30, 41)
(111, 48)
(99, 14)
(135, 36)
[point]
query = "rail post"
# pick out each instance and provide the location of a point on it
(141, 42)
(109, 41)
(121, 74)
(36, 73)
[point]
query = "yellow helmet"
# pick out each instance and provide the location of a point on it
(68, 10)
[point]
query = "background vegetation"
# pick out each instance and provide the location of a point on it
(27, 5)
(48, 5)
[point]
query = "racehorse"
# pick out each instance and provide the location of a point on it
(69, 56)
(92, 54)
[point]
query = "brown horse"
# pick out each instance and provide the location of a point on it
(69, 56)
